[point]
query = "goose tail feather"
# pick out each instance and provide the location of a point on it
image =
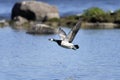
(76, 46)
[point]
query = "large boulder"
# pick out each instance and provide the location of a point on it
(34, 10)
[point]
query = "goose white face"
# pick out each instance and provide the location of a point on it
(51, 39)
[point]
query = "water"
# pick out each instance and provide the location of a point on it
(65, 7)
(33, 57)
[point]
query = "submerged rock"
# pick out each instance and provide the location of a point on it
(41, 29)
(34, 10)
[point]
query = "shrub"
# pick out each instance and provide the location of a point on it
(54, 20)
(94, 14)
(116, 16)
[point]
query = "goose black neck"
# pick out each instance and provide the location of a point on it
(57, 41)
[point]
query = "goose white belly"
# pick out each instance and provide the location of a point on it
(66, 44)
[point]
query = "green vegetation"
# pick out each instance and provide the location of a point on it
(54, 20)
(64, 21)
(95, 14)
(116, 16)
(1, 25)
(69, 20)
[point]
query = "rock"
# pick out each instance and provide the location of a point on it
(4, 22)
(20, 20)
(34, 10)
(41, 29)
(87, 25)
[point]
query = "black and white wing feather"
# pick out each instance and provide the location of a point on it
(62, 34)
(74, 31)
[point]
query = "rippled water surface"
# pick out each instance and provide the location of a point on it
(33, 57)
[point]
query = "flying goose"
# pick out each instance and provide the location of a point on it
(66, 40)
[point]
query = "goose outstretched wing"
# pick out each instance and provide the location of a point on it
(74, 31)
(62, 34)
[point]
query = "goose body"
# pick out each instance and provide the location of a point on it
(66, 40)
(66, 44)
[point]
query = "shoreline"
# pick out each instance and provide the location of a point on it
(102, 25)
(49, 27)
(55, 24)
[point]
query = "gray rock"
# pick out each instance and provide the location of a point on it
(34, 10)
(88, 25)
(20, 20)
(4, 22)
(41, 29)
